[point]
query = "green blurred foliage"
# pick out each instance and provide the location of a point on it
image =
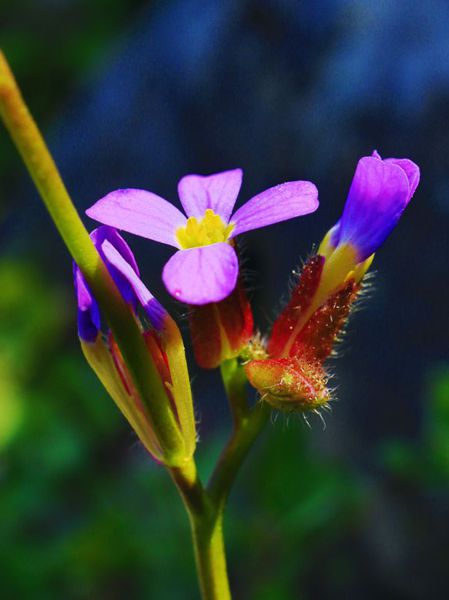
(425, 462)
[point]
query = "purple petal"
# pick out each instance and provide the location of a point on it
(279, 203)
(139, 212)
(152, 307)
(88, 311)
(408, 166)
(378, 195)
(110, 234)
(335, 234)
(218, 192)
(202, 275)
(102, 233)
(410, 169)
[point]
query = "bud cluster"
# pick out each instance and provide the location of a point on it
(288, 367)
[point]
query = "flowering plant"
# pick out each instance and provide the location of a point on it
(135, 347)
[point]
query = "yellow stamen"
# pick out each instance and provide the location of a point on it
(209, 230)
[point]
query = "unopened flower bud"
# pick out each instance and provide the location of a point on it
(289, 384)
(165, 352)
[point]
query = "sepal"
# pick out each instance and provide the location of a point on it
(288, 324)
(111, 371)
(317, 311)
(220, 331)
(318, 336)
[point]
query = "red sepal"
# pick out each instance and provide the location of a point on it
(301, 299)
(221, 330)
(317, 337)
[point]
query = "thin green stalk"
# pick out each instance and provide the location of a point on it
(235, 382)
(32, 147)
(235, 453)
(211, 559)
(207, 534)
(205, 507)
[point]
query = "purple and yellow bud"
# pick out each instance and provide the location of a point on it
(304, 334)
(165, 351)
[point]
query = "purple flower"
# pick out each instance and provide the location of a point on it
(205, 267)
(122, 266)
(379, 193)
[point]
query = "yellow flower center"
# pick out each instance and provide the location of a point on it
(209, 230)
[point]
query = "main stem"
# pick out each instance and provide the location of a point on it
(40, 164)
(205, 507)
(206, 522)
(210, 558)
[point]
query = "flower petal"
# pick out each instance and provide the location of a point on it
(110, 234)
(152, 307)
(139, 212)
(378, 195)
(88, 311)
(102, 233)
(218, 192)
(279, 203)
(202, 275)
(410, 169)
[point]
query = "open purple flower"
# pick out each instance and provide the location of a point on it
(379, 193)
(205, 267)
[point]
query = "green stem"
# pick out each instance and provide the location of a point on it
(235, 452)
(210, 558)
(235, 382)
(32, 147)
(206, 507)
(206, 522)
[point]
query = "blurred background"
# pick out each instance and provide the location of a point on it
(132, 93)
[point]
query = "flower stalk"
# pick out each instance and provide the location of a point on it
(42, 168)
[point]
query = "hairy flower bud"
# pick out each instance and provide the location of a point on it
(302, 337)
(289, 384)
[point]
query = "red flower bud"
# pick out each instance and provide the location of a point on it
(221, 330)
(292, 377)
(289, 384)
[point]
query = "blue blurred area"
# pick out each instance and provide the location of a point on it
(286, 90)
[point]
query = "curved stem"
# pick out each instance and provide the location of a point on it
(205, 507)
(40, 164)
(235, 382)
(206, 522)
(235, 452)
